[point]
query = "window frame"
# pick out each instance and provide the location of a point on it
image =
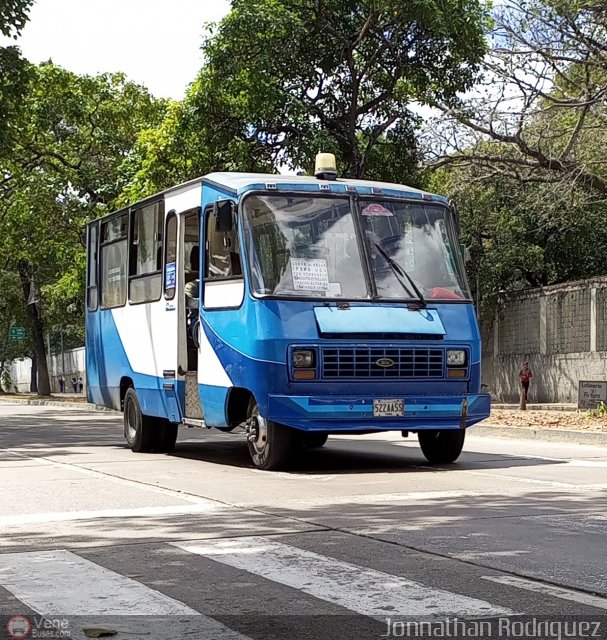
(92, 266)
(102, 245)
(170, 216)
(151, 274)
(207, 216)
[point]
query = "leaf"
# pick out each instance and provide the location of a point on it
(99, 633)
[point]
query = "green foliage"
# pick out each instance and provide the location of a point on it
(69, 164)
(599, 412)
(287, 79)
(13, 16)
(15, 75)
(291, 73)
(12, 313)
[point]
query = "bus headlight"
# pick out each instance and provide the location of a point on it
(456, 358)
(303, 359)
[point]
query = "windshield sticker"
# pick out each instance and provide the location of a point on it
(309, 275)
(375, 209)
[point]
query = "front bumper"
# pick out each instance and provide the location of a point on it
(355, 413)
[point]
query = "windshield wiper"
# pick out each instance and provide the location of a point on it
(399, 271)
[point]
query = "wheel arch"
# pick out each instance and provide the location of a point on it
(237, 406)
(125, 383)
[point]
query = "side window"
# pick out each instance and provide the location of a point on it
(145, 254)
(113, 258)
(170, 257)
(222, 250)
(91, 279)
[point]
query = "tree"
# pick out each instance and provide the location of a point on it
(289, 78)
(69, 165)
(14, 70)
(11, 315)
(13, 16)
(542, 100)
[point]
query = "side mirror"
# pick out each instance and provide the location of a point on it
(224, 216)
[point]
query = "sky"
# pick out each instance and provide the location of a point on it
(155, 42)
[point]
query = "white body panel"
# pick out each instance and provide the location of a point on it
(223, 295)
(210, 370)
(149, 331)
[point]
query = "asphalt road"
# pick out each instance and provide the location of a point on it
(361, 539)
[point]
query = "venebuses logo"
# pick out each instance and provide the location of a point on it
(18, 627)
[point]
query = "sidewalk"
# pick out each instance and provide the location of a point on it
(66, 400)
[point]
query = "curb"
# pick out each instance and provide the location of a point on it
(500, 406)
(545, 435)
(80, 406)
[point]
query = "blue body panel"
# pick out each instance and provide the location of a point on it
(253, 342)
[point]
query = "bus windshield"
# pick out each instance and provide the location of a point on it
(313, 247)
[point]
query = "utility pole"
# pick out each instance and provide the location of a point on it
(62, 356)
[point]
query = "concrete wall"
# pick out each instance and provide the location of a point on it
(72, 364)
(560, 330)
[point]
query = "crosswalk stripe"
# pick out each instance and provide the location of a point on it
(365, 591)
(60, 583)
(550, 590)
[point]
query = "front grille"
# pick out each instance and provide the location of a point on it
(362, 362)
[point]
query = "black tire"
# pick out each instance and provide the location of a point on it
(165, 436)
(274, 443)
(442, 447)
(139, 430)
(313, 439)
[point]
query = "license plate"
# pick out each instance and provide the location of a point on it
(388, 408)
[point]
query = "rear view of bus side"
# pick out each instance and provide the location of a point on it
(289, 308)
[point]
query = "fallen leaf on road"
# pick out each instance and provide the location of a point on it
(99, 633)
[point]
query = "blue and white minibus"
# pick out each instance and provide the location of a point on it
(287, 307)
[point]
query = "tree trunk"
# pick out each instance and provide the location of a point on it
(37, 326)
(2, 365)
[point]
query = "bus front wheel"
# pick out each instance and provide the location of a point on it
(441, 447)
(270, 444)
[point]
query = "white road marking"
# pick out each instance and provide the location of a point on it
(60, 583)
(389, 497)
(550, 590)
(69, 516)
(365, 591)
(544, 483)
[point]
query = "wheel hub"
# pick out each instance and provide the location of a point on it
(258, 433)
(130, 420)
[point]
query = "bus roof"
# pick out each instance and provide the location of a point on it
(237, 184)
(240, 183)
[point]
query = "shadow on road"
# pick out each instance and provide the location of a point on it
(56, 432)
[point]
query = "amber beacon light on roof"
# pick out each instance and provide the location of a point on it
(326, 167)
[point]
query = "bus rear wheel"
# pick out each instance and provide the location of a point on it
(146, 433)
(138, 429)
(270, 444)
(442, 447)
